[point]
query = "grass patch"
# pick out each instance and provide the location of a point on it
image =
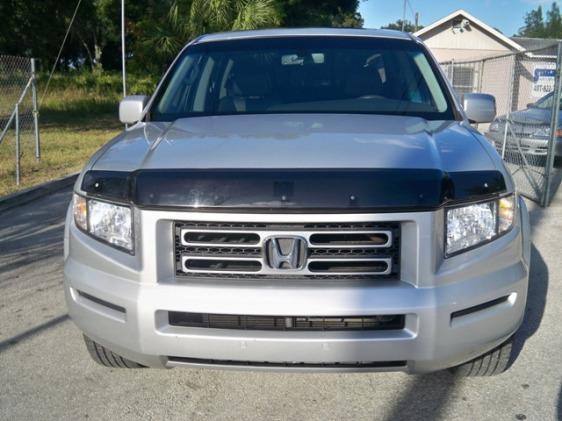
(78, 116)
(64, 151)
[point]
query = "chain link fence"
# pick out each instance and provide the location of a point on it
(19, 126)
(526, 131)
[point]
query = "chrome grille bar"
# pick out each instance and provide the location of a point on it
(242, 249)
(263, 235)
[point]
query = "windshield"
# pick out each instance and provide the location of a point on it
(303, 75)
(545, 102)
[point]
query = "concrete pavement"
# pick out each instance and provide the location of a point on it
(46, 373)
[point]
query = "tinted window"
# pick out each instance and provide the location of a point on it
(546, 102)
(303, 75)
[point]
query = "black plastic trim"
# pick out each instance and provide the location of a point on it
(295, 190)
(279, 323)
(102, 302)
(479, 307)
(108, 184)
(358, 364)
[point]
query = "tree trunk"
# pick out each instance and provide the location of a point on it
(88, 53)
(97, 54)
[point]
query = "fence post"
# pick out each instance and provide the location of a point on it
(35, 110)
(511, 81)
(545, 200)
(17, 123)
(453, 72)
(480, 75)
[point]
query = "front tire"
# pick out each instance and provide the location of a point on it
(106, 357)
(492, 363)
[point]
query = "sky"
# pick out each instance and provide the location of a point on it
(505, 15)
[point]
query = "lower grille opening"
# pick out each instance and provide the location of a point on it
(479, 307)
(286, 323)
(349, 266)
(358, 364)
(101, 302)
(222, 265)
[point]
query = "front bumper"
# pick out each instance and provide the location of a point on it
(142, 291)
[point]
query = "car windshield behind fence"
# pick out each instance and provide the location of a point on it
(524, 86)
(303, 75)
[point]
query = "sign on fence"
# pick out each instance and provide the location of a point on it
(543, 79)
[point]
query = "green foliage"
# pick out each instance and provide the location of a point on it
(77, 116)
(553, 24)
(534, 24)
(408, 26)
(36, 28)
(537, 27)
(156, 29)
(300, 13)
(158, 40)
(104, 83)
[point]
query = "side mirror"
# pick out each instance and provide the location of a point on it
(479, 108)
(131, 107)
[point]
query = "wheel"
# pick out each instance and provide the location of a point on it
(491, 363)
(107, 358)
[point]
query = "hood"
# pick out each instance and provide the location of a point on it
(533, 115)
(311, 162)
(296, 141)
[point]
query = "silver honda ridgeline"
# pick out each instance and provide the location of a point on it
(308, 199)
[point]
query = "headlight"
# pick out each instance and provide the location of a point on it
(107, 221)
(542, 132)
(506, 213)
(472, 225)
(80, 210)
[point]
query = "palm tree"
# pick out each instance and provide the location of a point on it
(187, 19)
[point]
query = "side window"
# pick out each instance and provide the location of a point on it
(428, 84)
(223, 92)
(203, 87)
(376, 62)
(180, 86)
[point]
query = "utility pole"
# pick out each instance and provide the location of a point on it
(123, 47)
(404, 15)
(416, 22)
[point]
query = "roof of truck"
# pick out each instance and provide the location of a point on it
(286, 32)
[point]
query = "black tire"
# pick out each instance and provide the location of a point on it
(491, 363)
(107, 358)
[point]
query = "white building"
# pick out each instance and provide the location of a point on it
(461, 36)
(478, 58)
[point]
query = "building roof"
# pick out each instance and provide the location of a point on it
(282, 32)
(537, 43)
(486, 28)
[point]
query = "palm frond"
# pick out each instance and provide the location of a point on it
(253, 14)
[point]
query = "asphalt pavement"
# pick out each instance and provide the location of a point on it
(46, 373)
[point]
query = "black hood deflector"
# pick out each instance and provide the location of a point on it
(350, 190)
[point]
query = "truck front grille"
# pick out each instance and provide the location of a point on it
(308, 323)
(287, 251)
